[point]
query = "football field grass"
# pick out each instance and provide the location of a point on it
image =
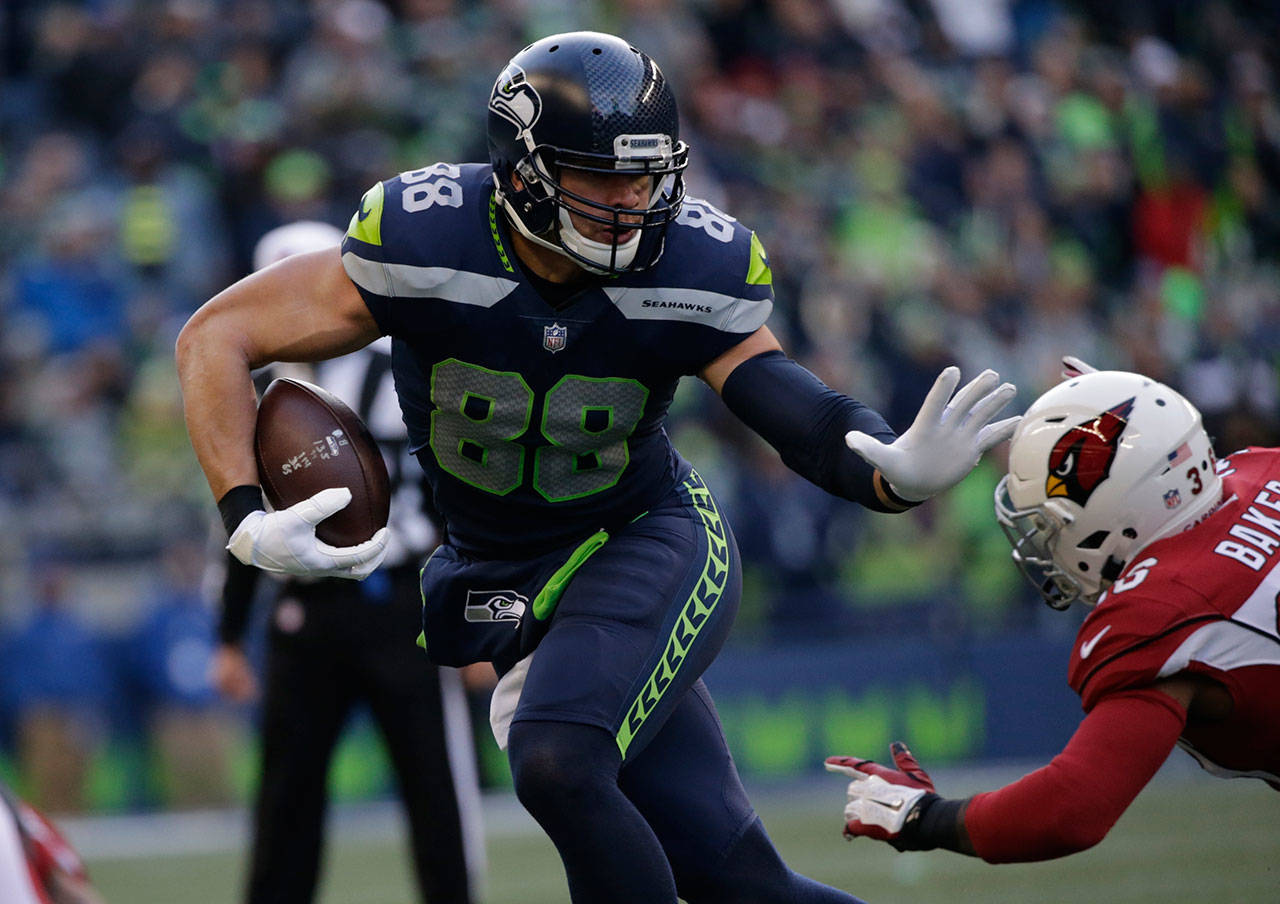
(1185, 841)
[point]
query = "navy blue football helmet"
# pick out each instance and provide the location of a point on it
(589, 102)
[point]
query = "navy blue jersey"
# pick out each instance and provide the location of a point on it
(537, 426)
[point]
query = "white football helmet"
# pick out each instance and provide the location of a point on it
(1101, 466)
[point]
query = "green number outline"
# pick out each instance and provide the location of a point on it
(438, 435)
(557, 446)
(467, 396)
(438, 411)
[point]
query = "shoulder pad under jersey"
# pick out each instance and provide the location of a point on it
(427, 233)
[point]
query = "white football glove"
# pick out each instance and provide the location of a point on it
(876, 808)
(881, 799)
(946, 440)
(285, 542)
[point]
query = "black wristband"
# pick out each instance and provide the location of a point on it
(934, 822)
(237, 503)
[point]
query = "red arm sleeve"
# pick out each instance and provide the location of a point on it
(1070, 804)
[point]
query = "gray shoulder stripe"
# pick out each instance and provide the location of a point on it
(723, 312)
(407, 281)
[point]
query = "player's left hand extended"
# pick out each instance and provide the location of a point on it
(882, 801)
(947, 438)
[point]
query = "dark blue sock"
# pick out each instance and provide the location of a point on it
(566, 775)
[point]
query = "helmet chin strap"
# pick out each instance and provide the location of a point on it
(600, 253)
(513, 219)
(592, 256)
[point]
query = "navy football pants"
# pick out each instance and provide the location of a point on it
(616, 748)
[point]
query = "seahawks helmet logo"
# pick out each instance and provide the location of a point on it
(1081, 459)
(495, 606)
(516, 101)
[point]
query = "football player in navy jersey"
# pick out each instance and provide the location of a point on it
(542, 309)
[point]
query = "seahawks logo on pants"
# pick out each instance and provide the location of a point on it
(495, 606)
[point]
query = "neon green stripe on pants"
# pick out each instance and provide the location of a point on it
(697, 608)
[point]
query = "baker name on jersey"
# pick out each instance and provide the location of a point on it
(1257, 531)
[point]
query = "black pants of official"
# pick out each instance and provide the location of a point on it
(332, 645)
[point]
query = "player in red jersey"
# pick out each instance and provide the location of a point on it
(1114, 498)
(37, 865)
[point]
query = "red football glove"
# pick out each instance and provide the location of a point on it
(882, 802)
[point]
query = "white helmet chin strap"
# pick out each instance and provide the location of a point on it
(597, 252)
(591, 252)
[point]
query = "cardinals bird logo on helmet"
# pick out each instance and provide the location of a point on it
(1092, 482)
(1082, 458)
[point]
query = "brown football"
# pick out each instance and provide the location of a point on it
(307, 440)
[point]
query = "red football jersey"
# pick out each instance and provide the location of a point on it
(1203, 601)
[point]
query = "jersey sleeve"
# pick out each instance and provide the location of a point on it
(1127, 639)
(712, 288)
(1070, 804)
(364, 256)
(422, 236)
(748, 298)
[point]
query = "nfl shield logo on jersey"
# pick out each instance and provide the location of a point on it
(554, 337)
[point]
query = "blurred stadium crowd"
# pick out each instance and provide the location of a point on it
(990, 182)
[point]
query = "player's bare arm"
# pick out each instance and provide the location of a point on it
(304, 308)
(759, 342)
(813, 427)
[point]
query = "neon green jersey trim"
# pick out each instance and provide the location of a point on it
(549, 596)
(366, 223)
(759, 272)
(497, 237)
